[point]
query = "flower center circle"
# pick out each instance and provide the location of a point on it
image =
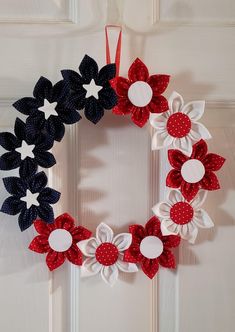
(106, 254)
(60, 240)
(178, 125)
(181, 213)
(140, 93)
(193, 171)
(151, 247)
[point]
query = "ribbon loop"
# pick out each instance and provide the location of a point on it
(118, 47)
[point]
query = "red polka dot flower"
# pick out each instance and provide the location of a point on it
(179, 127)
(140, 94)
(179, 217)
(194, 172)
(105, 254)
(59, 240)
(150, 248)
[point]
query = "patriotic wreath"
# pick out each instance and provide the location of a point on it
(176, 128)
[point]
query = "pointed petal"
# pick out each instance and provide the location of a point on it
(10, 160)
(121, 86)
(174, 196)
(198, 201)
(74, 255)
(27, 217)
(167, 259)
(54, 259)
(153, 226)
(138, 232)
(194, 109)
(93, 110)
(49, 195)
(45, 159)
(42, 228)
(161, 140)
(90, 267)
(201, 130)
(159, 121)
(109, 274)
(183, 144)
(108, 98)
(55, 127)
(199, 150)
(104, 233)
(175, 102)
(158, 104)
(171, 241)
(174, 179)
(140, 115)
(128, 257)
(42, 88)
(167, 229)
(213, 162)
(189, 190)
(122, 241)
(80, 233)
(39, 244)
(27, 105)
(124, 107)
(46, 213)
(162, 210)
(210, 181)
(20, 129)
(158, 83)
(150, 267)
(8, 141)
(64, 221)
(202, 219)
(88, 68)
(176, 158)
(15, 186)
(106, 73)
(72, 78)
(38, 182)
(28, 167)
(12, 205)
(70, 116)
(138, 71)
(88, 247)
(125, 266)
(190, 236)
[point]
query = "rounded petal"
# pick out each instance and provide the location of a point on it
(189, 190)
(12, 205)
(45, 212)
(104, 233)
(88, 247)
(109, 274)
(158, 83)
(15, 186)
(174, 179)
(158, 104)
(88, 68)
(213, 162)
(74, 255)
(202, 219)
(210, 181)
(55, 259)
(106, 73)
(200, 130)
(39, 244)
(42, 88)
(162, 210)
(175, 102)
(140, 115)
(27, 217)
(150, 267)
(10, 160)
(126, 267)
(176, 158)
(198, 200)
(153, 226)
(194, 109)
(49, 195)
(122, 241)
(138, 71)
(167, 259)
(90, 267)
(8, 141)
(199, 150)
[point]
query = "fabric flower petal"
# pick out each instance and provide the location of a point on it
(55, 259)
(174, 179)
(167, 259)
(46, 213)
(158, 83)
(15, 186)
(109, 274)
(74, 255)
(126, 267)
(49, 195)
(202, 219)
(106, 73)
(171, 241)
(176, 158)
(10, 160)
(8, 141)
(158, 104)
(139, 116)
(150, 267)
(38, 182)
(27, 217)
(88, 68)
(199, 150)
(42, 88)
(122, 241)
(213, 162)
(210, 181)
(93, 110)
(39, 244)
(12, 205)
(42, 228)
(175, 102)
(138, 71)
(90, 267)
(88, 247)
(201, 130)
(194, 109)
(161, 209)
(27, 105)
(189, 190)
(104, 233)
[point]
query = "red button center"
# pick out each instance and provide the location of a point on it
(178, 125)
(181, 213)
(107, 254)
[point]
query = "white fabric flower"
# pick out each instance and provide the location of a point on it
(178, 127)
(179, 217)
(105, 255)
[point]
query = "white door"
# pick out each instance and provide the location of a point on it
(108, 173)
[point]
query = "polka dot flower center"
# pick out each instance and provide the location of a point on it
(107, 254)
(181, 213)
(178, 125)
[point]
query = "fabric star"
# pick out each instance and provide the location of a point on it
(179, 217)
(27, 149)
(140, 94)
(179, 127)
(150, 247)
(50, 108)
(59, 240)
(91, 90)
(194, 172)
(30, 198)
(105, 254)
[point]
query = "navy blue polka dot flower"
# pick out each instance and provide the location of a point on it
(91, 90)
(50, 108)
(26, 149)
(30, 199)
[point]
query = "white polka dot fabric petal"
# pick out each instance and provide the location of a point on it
(178, 128)
(179, 217)
(105, 254)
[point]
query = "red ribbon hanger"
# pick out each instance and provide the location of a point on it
(118, 48)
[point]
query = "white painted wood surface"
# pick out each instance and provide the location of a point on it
(108, 173)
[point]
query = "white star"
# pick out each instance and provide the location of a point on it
(48, 108)
(26, 150)
(92, 89)
(30, 199)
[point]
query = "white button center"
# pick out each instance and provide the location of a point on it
(140, 93)
(26, 150)
(30, 199)
(48, 109)
(151, 247)
(60, 240)
(193, 171)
